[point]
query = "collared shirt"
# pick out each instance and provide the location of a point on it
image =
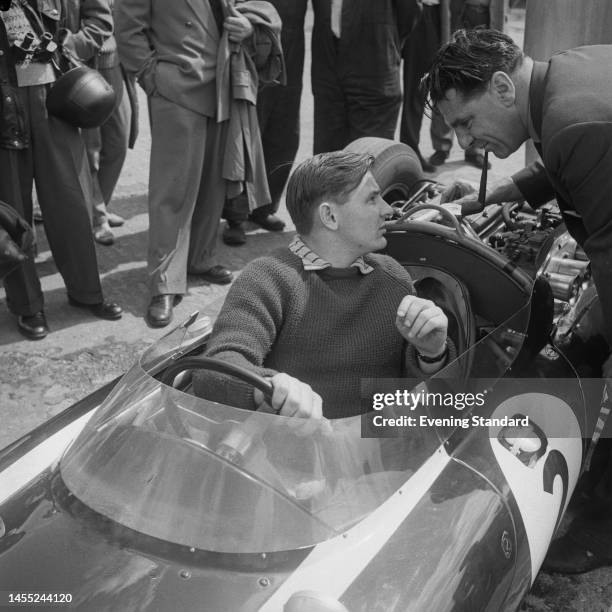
(311, 261)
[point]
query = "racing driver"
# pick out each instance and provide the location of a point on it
(322, 314)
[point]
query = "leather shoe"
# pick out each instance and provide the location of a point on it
(114, 220)
(103, 310)
(234, 234)
(219, 275)
(269, 222)
(104, 235)
(33, 327)
(438, 158)
(567, 555)
(476, 158)
(159, 312)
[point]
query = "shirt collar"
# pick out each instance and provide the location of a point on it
(312, 262)
(530, 127)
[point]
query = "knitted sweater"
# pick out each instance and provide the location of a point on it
(328, 328)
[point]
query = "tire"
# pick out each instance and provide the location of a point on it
(396, 168)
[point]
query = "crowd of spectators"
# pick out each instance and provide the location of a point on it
(223, 80)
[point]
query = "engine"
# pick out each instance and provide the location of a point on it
(534, 240)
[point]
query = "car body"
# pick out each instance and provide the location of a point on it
(145, 497)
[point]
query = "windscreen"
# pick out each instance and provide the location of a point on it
(190, 471)
(163, 462)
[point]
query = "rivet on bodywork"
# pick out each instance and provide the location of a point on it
(506, 544)
(192, 550)
(264, 582)
(185, 574)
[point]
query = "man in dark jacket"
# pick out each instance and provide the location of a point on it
(36, 147)
(497, 98)
(356, 53)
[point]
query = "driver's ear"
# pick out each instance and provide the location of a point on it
(328, 216)
(503, 87)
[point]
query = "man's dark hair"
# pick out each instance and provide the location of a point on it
(468, 61)
(326, 176)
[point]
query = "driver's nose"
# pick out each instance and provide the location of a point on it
(385, 209)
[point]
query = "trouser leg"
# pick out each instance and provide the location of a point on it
(114, 135)
(210, 200)
(23, 291)
(369, 112)
(64, 190)
(178, 143)
(331, 128)
(278, 108)
(93, 144)
(106, 148)
(418, 53)
(236, 210)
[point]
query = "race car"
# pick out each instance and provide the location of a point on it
(145, 497)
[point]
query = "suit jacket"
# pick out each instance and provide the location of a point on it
(571, 109)
(369, 50)
(171, 48)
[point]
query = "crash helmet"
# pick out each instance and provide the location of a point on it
(82, 97)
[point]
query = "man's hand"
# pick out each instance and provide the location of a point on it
(293, 398)
(458, 190)
(237, 25)
(462, 196)
(423, 324)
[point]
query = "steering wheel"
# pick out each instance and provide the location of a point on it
(214, 365)
(217, 365)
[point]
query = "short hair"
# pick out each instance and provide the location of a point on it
(468, 61)
(324, 176)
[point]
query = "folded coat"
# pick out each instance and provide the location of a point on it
(241, 67)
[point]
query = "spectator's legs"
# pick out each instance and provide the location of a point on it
(372, 113)
(178, 142)
(331, 128)
(23, 292)
(93, 144)
(278, 108)
(106, 150)
(63, 187)
(418, 53)
(209, 203)
(114, 137)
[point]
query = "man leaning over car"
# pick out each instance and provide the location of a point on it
(497, 98)
(322, 314)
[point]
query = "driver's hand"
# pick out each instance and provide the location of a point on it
(293, 398)
(422, 324)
